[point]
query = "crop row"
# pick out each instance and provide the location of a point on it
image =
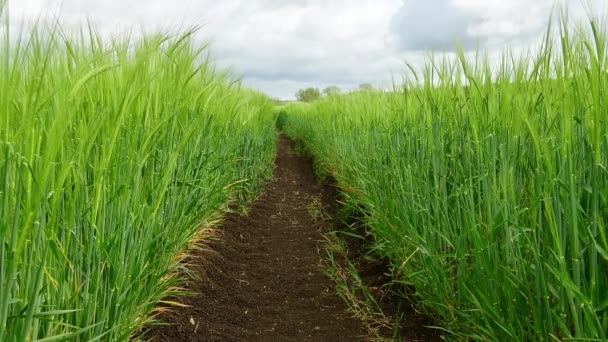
(114, 154)
(485, 185)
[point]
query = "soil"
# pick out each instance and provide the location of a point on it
(262, 279)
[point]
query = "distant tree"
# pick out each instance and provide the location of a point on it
(366, 87)
(331, 90)
(308, 94)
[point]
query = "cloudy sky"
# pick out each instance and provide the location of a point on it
(280, 46)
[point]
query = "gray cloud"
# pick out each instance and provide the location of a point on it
(436, 25)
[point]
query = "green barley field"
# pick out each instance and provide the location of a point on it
(484, 183)
(113, 155)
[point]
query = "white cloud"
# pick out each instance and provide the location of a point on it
(281, 46)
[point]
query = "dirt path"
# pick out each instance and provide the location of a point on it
(263, 281)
